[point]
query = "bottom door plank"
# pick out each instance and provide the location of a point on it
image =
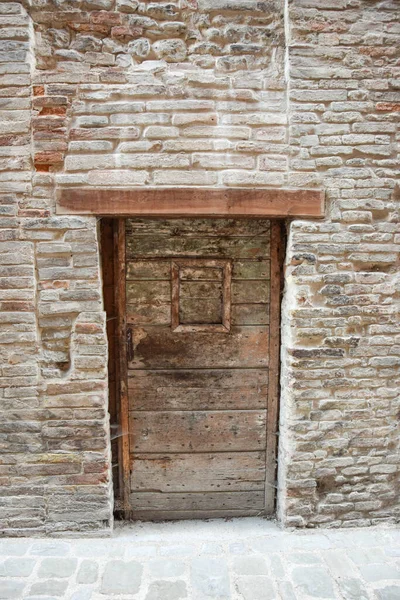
(207, 472)
(198, 501)
(176, 515)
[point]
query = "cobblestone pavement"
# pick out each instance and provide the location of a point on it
(240, 559)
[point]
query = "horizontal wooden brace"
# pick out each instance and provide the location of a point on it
(192, 202)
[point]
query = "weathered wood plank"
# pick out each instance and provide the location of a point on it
(200, 311)
(208, 472)
(121, 372)
(244, 292)
(165, 515)
(161, 269)
(148, 269)
(186, 202)
(250, 314)
(206, 247)
(148, 314)
(197, 431)
(200, 289)
(201, 274)
(148, 292)
(161, 348)
(195, 227)
(198, 501)
(251, 269)
(199, 389)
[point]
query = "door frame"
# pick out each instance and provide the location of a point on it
(113, 250)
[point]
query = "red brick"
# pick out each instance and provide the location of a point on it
(49, 157)
(126, 32)
(388, 106)
(103, 17)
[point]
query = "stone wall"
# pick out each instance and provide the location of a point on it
(55, 457)
(184, 93)
(339, 439)
(200, 93)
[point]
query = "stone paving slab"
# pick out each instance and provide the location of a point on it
(238, 559)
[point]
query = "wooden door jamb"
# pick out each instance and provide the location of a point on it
(122, 366)
(276, 266)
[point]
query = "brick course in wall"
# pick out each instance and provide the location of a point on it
(211, 93)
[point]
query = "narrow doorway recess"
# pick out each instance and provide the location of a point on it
(194, 369)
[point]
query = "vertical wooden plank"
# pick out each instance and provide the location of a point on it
(174, 296)
(122, 364)
(227, 299)
(274, 367)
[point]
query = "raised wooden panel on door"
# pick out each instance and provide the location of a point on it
(197, 398)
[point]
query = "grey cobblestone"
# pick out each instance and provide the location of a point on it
(250, 565)
(256, 588)
(51, 587)
(17, 567)
(57, 567)
(379, 572)
(10, 589)
(313, 581)
(88, 572)
(166, 568)
(167, 590)
(121, 577)
(391, 592)
(353, 589)
(210, 578)
(240, 559)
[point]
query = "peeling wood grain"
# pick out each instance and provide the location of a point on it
(244, 292)
(195, 227)
(148, 269)
(251, 269)
(122, 361)
(159, 347)
(207, 472)
(250, 314)
(175, 515)
(198, 501)
(148, 314)
(159, 246)
(197, 431)
(199, 389)
(148, 292)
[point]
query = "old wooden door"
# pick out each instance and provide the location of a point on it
(201, 393)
